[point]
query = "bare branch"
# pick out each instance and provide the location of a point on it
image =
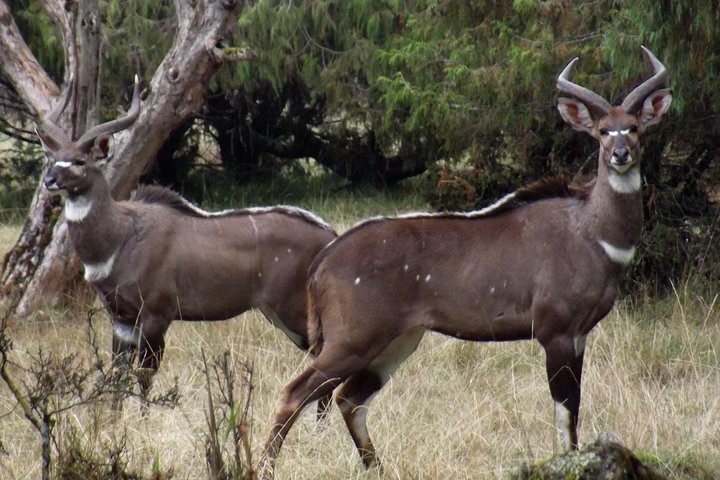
(19, 65)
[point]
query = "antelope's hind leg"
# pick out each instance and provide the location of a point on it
(353, 400)
(564, 364)
(315, 382)
(355, 395)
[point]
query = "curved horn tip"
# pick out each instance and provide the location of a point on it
(651, 58)
(568, 67)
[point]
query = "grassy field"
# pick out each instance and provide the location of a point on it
(454, 410)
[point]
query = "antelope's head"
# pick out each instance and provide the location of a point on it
(75, 165)
(618, 128)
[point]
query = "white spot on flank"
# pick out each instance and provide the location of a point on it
(77, 209)
(259, 274)
(94, 272)
(289, 250)
(357, 280)
(617, 254)
(277, 259)
(417, 278)
(427, 278)
(405, 268)
(629, 182)
(579, 345)
(492, 290)
(126, 333)
(563, 422)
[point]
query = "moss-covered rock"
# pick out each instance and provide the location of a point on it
(600, 460)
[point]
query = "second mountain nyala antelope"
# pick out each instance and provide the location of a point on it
(542, 263)
(157, 258)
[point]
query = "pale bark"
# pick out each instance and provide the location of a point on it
(42, 269)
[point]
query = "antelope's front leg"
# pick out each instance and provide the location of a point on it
(152, 347)
(124, 349)
(564, 369)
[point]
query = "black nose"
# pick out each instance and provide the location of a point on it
(621, 154)
(50, 182)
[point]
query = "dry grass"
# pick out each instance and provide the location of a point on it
(454, 410)
(8, 236)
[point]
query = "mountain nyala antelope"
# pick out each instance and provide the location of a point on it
(157, 258)
(542, 263)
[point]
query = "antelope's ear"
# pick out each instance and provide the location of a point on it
(49, 144)
(654, 107)
(576, 114)
(100, 151)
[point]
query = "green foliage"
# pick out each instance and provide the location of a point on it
(136, 36)
(19, 172)
(40, 35)
(383, 89)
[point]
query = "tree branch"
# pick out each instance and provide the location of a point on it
(22, 69)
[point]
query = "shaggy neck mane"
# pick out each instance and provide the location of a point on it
(156, 194)
(543, 189)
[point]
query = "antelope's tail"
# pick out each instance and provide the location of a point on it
(315, 335)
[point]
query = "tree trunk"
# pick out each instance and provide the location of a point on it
(42, 268)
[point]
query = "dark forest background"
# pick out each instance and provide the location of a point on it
(456, 97)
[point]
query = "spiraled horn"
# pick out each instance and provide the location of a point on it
(49, 122)
(87, 138)
(634, 99)
(592, 100)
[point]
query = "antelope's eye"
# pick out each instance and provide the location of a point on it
(78, 163)
(603, 132)
(633, 129)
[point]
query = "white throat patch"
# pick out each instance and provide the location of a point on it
(77, 209)
(629, 182)
(95, 272)
(617, 254)
(126, 333)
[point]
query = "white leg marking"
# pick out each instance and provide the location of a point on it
(94, 272)
(563, 421)
(629, 182)
(77, 209)
(617, 254)
(580, 345)
(126, 333)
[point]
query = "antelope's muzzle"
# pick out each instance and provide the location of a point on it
(51, 183)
